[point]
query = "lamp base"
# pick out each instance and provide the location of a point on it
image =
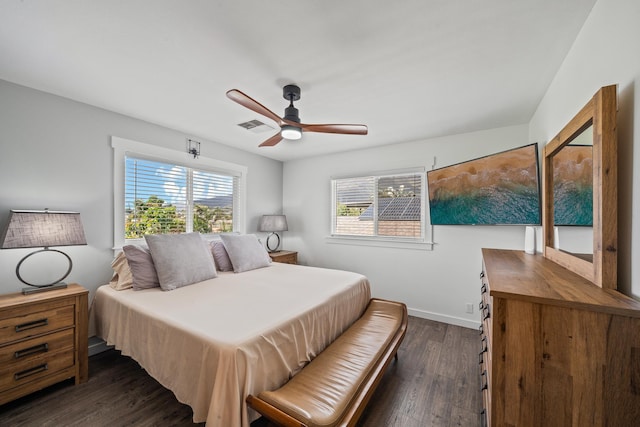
(269, 248)
(36, 289)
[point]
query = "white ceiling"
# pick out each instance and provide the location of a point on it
(409, 69)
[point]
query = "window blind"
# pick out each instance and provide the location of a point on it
(379, 206)
(163, 198)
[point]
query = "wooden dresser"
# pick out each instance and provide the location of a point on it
(43, 340)
(286, 257)
(556, 349)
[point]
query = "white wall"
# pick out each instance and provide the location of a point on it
(606, 52)
(55, 153)
(434, 284)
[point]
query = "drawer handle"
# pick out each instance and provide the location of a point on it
(485, 346)
(484, 380)
(31, 325)
(482, 274)
(483, 289)
(28, 372)
(481, 358)
(41, 348)
(481, 329)
(486, 312)
(481, 305)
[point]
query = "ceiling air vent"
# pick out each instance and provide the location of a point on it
(256, 126)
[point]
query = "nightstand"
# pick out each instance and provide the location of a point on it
(43, 340)
(285, 257)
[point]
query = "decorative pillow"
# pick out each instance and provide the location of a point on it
(220, 256)
(180, 259)
(245, 251)
(121, 273)
(142, 267)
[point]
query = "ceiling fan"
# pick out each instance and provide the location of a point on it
(290, 126)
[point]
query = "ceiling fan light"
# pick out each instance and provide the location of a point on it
(291, 132)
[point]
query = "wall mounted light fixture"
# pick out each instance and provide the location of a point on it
(193, 148)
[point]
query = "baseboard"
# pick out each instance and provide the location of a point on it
(97, 345)
(452, 320)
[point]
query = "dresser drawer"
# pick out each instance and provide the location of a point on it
(35, 348)
(36, 323)
(30, 370)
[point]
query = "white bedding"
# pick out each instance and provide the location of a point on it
(215, 342)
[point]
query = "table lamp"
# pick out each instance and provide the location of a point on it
(34, 229)
(273, 224)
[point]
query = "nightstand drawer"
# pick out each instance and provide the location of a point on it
(285, 257)
(36, 348)
(37, 323)
(288, 259)
(31, 370)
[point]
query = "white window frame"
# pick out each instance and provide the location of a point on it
(125, 147)
(420, 243)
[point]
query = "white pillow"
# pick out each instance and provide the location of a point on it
(180, 259)
(245, 251)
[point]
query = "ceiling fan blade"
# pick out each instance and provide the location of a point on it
(252, 104)
(343, 129)
(272, 141)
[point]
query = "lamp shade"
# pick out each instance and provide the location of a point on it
(32, 229)
(273, 223)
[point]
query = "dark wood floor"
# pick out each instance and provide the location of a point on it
(435, 382)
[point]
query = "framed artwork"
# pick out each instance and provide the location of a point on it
(499, 189)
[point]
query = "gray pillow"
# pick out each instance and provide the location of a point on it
(220, 256)
(141, 266)
(245, 251)
(180, 259)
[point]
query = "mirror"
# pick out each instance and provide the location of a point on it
(595, 122)
(573, 195)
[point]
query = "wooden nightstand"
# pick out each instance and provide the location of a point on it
(285, 257)
(43, 340)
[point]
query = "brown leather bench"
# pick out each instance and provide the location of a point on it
(333, 389)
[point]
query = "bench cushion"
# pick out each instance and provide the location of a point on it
(320, 394)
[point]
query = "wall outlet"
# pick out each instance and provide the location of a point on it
(469, 308)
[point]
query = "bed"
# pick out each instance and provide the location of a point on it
(216, 341)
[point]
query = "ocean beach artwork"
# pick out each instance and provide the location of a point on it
(573, 186)
(499, 189)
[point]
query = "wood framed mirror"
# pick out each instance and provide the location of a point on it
(598, 116)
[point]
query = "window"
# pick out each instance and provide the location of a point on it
(162, 198)
(160, 191)
(388, 206)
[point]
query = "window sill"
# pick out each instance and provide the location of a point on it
(380, 242)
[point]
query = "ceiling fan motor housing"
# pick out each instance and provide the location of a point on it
(291, 114)
(291, 93)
